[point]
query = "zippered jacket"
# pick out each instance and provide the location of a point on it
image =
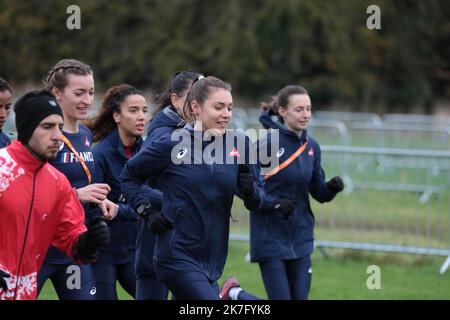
(38, 207)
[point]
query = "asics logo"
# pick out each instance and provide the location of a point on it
(280, 152)
(181, 153)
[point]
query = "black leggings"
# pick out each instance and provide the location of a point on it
(287, 279)
(63, 277)
(192, 286)
(106, 276)
(148, 287)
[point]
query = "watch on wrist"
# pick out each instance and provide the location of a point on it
(143, 210)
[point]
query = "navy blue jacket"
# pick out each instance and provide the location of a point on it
(163, 123)
(4, 140)
(68, 164)
(197, 197)
(271, 235)
(110, 158)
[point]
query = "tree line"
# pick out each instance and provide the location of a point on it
(257, 45)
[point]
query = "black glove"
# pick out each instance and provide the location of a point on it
(285, 207)
(335, 185)
(157, 222)
(96, 236)
(245, 180)
(3, 283)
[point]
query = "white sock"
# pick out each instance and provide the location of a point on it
(234, 292)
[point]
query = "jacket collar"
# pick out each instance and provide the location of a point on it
(114, 140)
(271, 120)
(23, 156)
(168, 117)
(170, 112)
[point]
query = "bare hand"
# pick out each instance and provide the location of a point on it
(94, 193)
(109, 209)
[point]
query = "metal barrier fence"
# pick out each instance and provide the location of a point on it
(397, 199)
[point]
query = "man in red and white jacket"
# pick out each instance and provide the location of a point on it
(38, 207)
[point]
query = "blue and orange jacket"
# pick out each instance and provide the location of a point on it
(272, 236)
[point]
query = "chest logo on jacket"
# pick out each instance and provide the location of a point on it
(69, 157)
(311, 152)
(182, 153)
(122, 198)
(9, 170)
(234, 153)
(280, 152)
(234, 145)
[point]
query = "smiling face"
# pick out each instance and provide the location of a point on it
(297, 113)
(132, 118)
(5, 106)
(76, 97)
(45, 141)
(215, 112)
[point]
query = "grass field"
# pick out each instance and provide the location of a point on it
(342, 275)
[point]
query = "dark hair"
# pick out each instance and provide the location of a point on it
(179, 84)
(57, 76)
(4, 86)
(200, 90)
(282, 98)
(104, 123)
(272, 105)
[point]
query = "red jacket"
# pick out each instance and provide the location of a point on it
(38, 207)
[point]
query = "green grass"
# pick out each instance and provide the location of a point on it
(48, 292)
(342, 276)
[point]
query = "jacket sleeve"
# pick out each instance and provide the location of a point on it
(259, 200)
(70, 224)
(150, 161)
(125, 212)
(262, 200)
(268, 201)
(98, 176)
(317, 185)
